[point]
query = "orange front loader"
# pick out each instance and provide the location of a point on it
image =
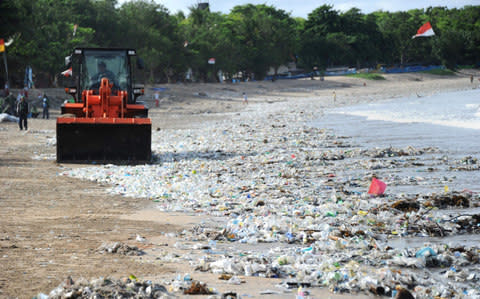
(104, 123)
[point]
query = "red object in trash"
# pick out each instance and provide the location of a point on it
(377, 187)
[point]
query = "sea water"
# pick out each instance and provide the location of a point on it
(448, 121)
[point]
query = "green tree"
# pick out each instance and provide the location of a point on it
(9, 18)
(313, 46)
(364, 37)
(330, 38)
(150, 29)
(451, 47)
(458, 35)
(46, 38)
(204, 36)
(265, 36)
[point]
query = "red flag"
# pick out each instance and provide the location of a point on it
(2, 45)
(425, 30)
(377, 187)
(67, 73)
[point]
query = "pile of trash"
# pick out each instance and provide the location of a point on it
(132, 287)
(119, 248)
(107, 288)
(4, 117)
(303, 191)
(395, 152)
(468, 163)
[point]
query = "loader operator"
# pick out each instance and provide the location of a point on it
(103, 73)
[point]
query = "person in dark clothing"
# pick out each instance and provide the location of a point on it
(22, 110)
(103, 72)
(45, 105)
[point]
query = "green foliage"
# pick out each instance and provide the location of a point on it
(264, 35)
(248, 41)
(368, 76)
(149, 28)
(9, 18)
(206, 37)
(330, 38)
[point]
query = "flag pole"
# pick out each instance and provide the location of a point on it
(6, 67)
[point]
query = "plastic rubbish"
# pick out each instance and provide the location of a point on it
(267, 213)
(198, 288)
(426, 251)
(300, 293)
(269, 292)
(107, 287)
(230, 295)
(403, 294)
(235, 280)
(377, 187)
(120, 248)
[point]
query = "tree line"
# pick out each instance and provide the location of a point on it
(247, 41)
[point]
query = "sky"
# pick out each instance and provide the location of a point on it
(301, 8)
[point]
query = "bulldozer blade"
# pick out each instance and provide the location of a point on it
(103, 143)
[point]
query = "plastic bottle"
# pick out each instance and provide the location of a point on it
(427, 251)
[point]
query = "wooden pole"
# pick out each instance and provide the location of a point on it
(6, 67)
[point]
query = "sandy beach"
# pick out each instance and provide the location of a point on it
(230, 182)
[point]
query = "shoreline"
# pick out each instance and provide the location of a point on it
(191, 132)
(180, 99)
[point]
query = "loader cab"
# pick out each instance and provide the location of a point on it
(91, 65)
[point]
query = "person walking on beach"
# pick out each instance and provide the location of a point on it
(157, 99)
(22, 110)
(245, 99)
(6, 91)
(45, 105)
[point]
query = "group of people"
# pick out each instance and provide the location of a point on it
(22, 106)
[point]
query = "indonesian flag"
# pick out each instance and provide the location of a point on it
(211, 61)
(67, 73)
(425, 30)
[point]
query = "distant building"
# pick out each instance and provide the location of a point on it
(286, 70)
